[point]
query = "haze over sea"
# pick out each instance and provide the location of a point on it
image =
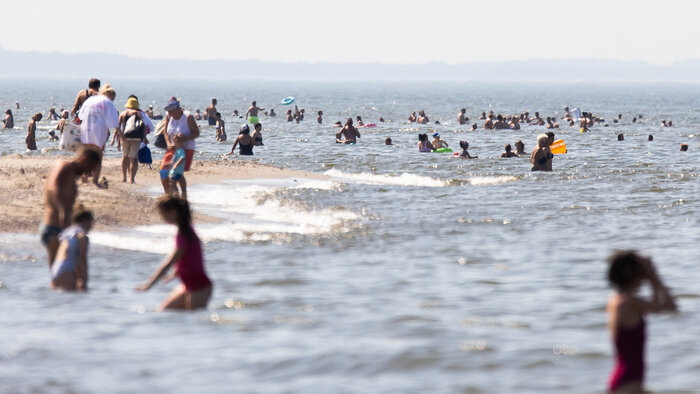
(403, 272)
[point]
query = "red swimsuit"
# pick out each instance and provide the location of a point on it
(629, 353)
(190, 268)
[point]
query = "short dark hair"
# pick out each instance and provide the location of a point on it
(550, 134)
(94, 84)
(90, 154)
(625, 269)
(81, 214)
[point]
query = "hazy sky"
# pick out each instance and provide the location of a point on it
(365, 31)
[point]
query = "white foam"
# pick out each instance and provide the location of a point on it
(249, 210)
(404, 179)
(491, 180)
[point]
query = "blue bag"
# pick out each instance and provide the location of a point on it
(145, 156)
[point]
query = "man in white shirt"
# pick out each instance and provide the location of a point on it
(97, 115)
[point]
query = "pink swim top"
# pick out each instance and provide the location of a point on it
(190, 268)
(629, 354)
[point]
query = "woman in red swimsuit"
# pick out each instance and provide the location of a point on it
(196, 287)
(626, 310)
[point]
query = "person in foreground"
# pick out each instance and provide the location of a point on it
(60, 192)
(626, 310)
(70, 272)
(196, 288)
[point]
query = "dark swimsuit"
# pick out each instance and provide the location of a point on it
(246, 150)
(629, 354)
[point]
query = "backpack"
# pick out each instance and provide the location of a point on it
(134, 127)
(145, 155)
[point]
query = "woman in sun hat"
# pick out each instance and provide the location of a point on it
(178, 123)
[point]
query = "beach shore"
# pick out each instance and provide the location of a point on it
(22, 180)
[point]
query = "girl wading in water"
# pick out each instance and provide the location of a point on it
(626, 311)
(195, 290)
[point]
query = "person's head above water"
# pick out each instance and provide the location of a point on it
(348, 122)
(218, 115)
(257, 127)
(245, 129)
(508, 148)
(620, 137)
(387, 141)
(436, 135)
(543, 140)
(651, 138)
(359, 118)
(255, 104)
(464, 144)
(684, 147)
(626, 270)
(37, 116)
(422, 137)
(84, 217)
(213, 101)
(463, 110)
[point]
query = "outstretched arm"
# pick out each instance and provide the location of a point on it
(163, 269)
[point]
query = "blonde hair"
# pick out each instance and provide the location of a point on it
(107, 89)
(542, 140)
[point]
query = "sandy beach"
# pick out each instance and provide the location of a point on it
(121, 204)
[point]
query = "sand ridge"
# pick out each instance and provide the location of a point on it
(22, 180)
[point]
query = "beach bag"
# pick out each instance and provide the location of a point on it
(134, 127)
(145, 155)
(160, 138)
(70, 138)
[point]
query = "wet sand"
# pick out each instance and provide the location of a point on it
(22, 180)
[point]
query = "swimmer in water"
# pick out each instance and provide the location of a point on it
(508, 153)
(684, 147)
(465, 155)
(257, 135)
(437, 142)
(651, 138)
(290, 117)
(272, 113)
(423, 144)
(338, 124)
(360, 123)
(519, 148)
(319, 118)
(462, 117)
(9, 121)
(381, 120)
(220, 128)
(474, 127)
(187, 257)
(413, 118)
(627, 272)
(541, 154)
(387, 141)
(252, 113)
(584, 126)
(620, 137)
(348, 134)
(422, 118)
(69, 271)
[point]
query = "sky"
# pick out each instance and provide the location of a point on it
(358, 31)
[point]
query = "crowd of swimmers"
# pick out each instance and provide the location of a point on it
(65, 226)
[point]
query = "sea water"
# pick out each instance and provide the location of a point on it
(399, 272)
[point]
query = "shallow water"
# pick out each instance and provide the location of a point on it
(403, 272)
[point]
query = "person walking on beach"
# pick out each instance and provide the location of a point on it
(60, 192)
(187, 257)
(98, 115)
(626, 310)
(211, 112)
(92, 90)
(182, 123)
(9, 121)
(70, 271)
(252, 113)
(134, 124)
(541, 154)
(244, 141)
(31, 131)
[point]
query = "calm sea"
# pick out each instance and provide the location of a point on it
(403, 272)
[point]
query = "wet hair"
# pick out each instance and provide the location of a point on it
(387, 141)
(620, 137)
(464, 144)
(359, 117)
(218, 114)
(255, 103)
(339, 123)
(289, 111)
(550, 134)
(348, 121)
(625, 268)
(463, 110)
(519, 142)
(684, 147)
(651, 138)
(90, 154)
(182, 210)
(37, 116)
(508, 148)
(422, 137)
(94, 84)
(82, 215)
(320, 113)
(214, 101)
(257, 126)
